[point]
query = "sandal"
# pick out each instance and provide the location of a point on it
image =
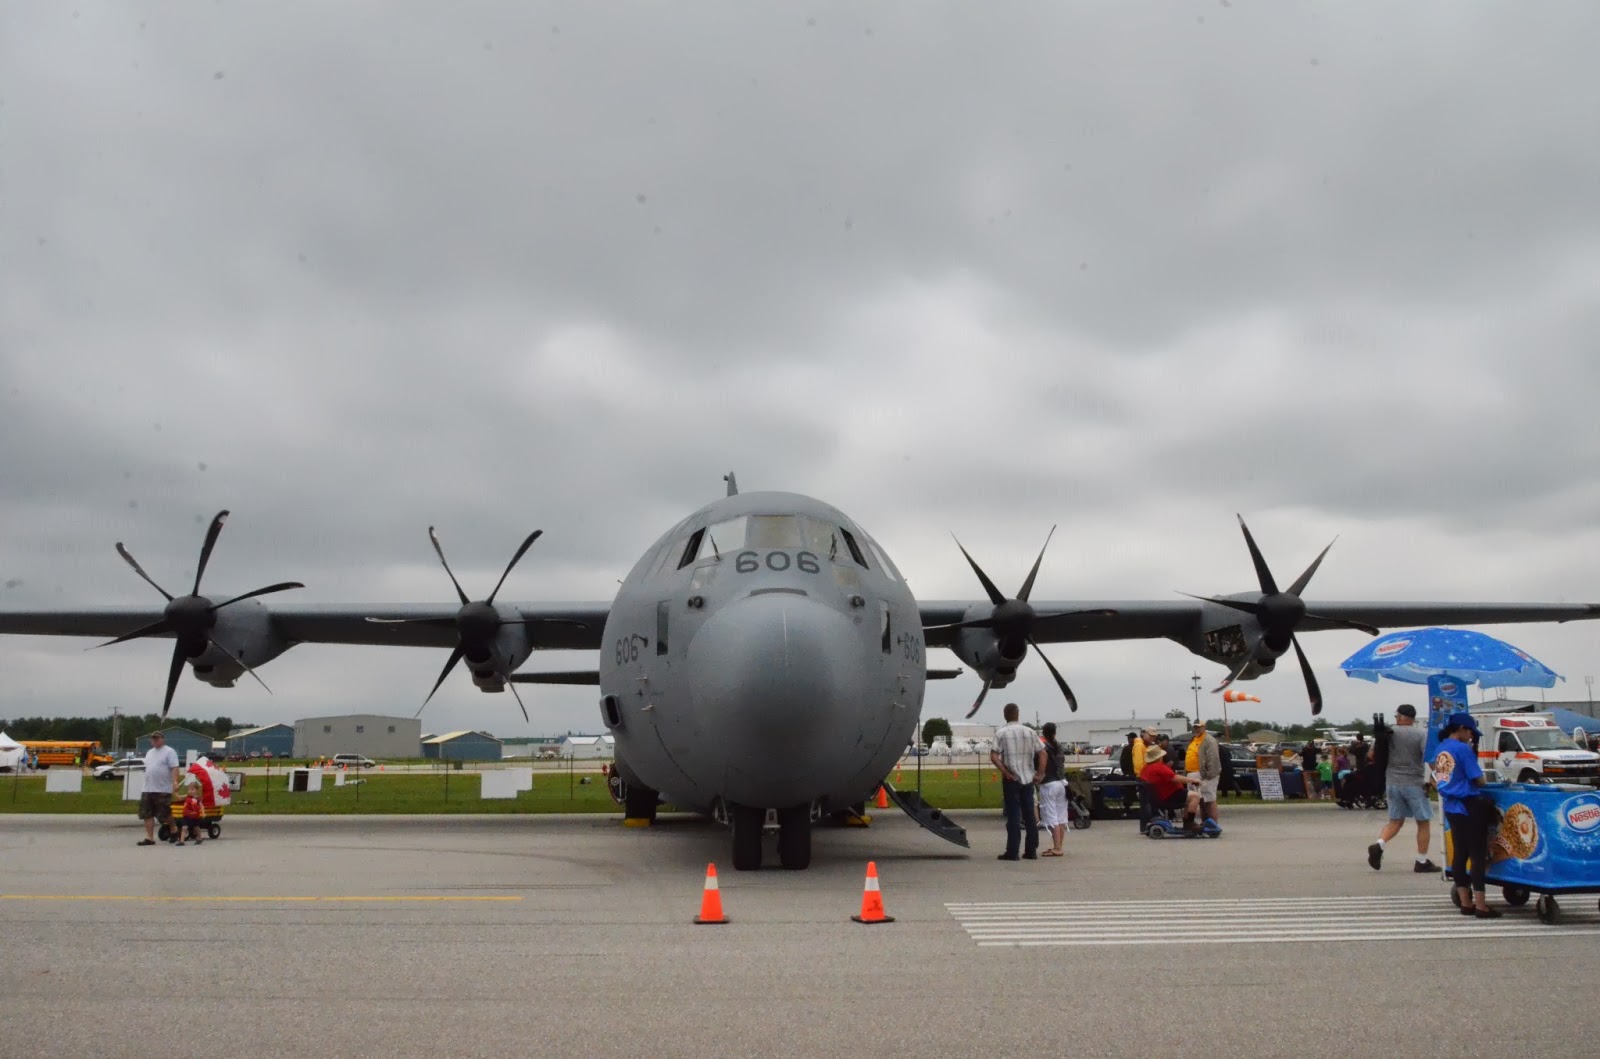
(1049, 853)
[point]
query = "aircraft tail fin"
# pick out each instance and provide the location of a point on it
(733, 484)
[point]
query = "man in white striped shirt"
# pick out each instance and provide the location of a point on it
(1020, 757)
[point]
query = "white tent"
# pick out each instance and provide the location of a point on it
(12, 753)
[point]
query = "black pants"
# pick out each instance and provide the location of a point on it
(1469, 840)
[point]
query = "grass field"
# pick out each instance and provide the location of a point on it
(434, 792)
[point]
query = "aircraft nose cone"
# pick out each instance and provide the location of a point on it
(772, 671)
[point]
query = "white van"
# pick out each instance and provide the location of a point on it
(353, 761)
(1532, 748)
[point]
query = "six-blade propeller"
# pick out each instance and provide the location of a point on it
(1015, 623)
(1279, 613)
(477, 623)
(191, 618)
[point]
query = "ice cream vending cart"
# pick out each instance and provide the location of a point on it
(1546, 842)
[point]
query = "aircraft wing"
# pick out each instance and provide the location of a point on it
(1111, 619)
(397, 625)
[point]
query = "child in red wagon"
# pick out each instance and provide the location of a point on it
(192, 814)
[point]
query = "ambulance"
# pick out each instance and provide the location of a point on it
(1532, 748)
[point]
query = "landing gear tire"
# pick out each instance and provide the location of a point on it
(1547, 909)
(746, 823)
(794, 837)
(1515, 896)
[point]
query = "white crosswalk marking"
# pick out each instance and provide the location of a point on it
(1232, 921)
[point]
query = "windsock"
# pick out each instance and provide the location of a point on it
(1239, 696)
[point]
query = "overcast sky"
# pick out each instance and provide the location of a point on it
(351, 269)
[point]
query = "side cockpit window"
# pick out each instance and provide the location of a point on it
(851, 547)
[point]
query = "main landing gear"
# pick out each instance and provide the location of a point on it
(748, 824)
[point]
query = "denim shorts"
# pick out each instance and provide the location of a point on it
(1408, 802)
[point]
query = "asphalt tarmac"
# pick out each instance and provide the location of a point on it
(573, 936)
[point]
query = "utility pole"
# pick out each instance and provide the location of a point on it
(1589, 680)
(116, 731)
(1194, 682)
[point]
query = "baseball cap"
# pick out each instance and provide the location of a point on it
(1405, 709)
(1461, 719)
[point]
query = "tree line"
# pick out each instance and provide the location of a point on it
(99, 728)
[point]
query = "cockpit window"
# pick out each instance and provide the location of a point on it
(851, 545)
(763, 532)
(883, 560)
(691, 549)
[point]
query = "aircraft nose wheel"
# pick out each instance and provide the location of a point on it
(746, 823)
(794, 837)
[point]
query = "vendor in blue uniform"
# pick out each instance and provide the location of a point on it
(1468, 810)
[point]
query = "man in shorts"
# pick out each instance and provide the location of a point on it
(1407, 797)
(160, 780)
(1203, 761)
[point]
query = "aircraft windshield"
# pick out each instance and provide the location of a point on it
(769, 531)
(1546, 739)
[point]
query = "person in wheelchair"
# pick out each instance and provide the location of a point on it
(1162, 791)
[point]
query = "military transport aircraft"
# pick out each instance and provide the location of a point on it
(763, 660)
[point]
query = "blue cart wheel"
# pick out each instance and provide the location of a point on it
(1516, 896)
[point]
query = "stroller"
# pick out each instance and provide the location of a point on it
(1362, 789)
(1077, 811)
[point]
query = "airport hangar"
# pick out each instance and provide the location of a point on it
(369, 734)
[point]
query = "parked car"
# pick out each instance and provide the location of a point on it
(118, 769)
(354, 761)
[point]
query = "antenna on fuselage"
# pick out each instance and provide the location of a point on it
(733, 484)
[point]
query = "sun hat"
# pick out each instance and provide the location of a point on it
(1152, 754)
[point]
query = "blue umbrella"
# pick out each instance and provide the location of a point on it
(1470, 657)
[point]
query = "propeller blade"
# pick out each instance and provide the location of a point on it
(455, 656)
(1269, 587)
(1072, 700)
(205, 549)
(1304, 579)
(1233, 674)
(155, 628)
(241, 664)
(129, 559)
(1345, 623)
(535, 535)
(281, 586)
(434, 537)
(518, 694)
(995, 595)
(173, 673)
(981, 694)
(1248, 606)
(1027, 586)
(1311, 678)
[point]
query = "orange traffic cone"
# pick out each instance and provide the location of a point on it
(883, 799)
(711, 899)
(871, 899)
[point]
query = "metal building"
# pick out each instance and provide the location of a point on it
(589, 746)
(371, 734)
(179, 739)
(276, 739)
(463, 746)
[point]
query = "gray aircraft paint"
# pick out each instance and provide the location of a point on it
(772, 686)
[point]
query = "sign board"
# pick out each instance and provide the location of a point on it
(1270, 783)
(132, 785)
(63, 781)
(499, 783)
(524, 779)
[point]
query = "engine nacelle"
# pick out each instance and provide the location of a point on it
(991, 658)
(510, 648)
(244, 631)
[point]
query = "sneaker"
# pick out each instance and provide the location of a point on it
(1425, 867)
(1030, 856)
(1007, 856)
(1375, 856)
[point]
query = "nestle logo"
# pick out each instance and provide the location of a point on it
(1584, 817)
(1392, 647)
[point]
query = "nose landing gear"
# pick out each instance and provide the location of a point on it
(748, 824)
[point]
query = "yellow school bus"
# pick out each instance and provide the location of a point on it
(47, 752)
